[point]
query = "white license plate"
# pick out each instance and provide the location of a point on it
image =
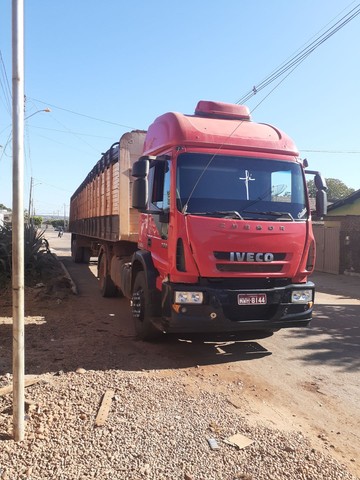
(252, 299)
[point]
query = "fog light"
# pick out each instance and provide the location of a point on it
(301, 296)
(189, 297)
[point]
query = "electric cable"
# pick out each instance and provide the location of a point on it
(84, 115)
(3, 152)
(67, 131)
(291, 65)
(302, 55)
(5, 87)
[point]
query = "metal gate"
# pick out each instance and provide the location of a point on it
(327, 248)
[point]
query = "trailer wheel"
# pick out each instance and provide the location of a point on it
(107, 286)
(140, 305)
(77, 253)
(86, 255)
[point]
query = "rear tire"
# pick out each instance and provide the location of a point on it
(107, 286)
(77, 253)
(141, 310)
(86, 255)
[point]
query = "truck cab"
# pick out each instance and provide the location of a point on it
(225, 225)
(203, 222)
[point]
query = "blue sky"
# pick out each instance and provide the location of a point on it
(125, 63)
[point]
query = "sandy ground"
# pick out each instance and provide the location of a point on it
(299, 379)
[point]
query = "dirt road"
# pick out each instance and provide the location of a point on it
(303, 380)
(300, 379)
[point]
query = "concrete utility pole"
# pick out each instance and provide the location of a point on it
(18, 218)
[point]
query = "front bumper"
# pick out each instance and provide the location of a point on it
(220, 311)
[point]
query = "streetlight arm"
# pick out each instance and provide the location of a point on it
(47, 110)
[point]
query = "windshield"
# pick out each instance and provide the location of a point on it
(240, 187)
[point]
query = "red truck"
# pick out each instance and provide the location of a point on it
(203, 222)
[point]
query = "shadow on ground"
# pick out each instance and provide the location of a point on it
(97, 333)
(333, 338)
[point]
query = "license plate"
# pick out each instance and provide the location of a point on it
(252, 299)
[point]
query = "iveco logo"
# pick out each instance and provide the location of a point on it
(251, 257)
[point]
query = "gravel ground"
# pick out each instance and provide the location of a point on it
(157, 429)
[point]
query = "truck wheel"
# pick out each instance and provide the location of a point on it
(86, 255)
(107, 286)
(144, 328)
(77, 253)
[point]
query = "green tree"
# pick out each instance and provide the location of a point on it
(2, 207)
(37, 221)
(57, 223)
(336, 189)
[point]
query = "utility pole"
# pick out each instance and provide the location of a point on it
(18, 218)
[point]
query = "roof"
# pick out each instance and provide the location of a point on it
(212, 129)
(345, 201)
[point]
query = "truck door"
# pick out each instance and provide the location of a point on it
(159, 206)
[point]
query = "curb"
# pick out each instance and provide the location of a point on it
(66, 273)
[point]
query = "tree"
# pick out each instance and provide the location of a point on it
(57, 223)
(2, 207)
(336, 189)
(37, 221)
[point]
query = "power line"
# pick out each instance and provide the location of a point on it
(67, 131)
(338, 152)
(52, 186)
(66, 145)
(84, 115)
(5, 87)
(74, 134)
(297, 59)
(5, 146)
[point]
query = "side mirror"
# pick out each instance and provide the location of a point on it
(321, 195)
(140, 194)
(321, 203)
(140, 168)
(320, 182)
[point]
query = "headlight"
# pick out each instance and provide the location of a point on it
(189, 297)
(302, 296)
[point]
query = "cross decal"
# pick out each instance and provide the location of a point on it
(247, 179)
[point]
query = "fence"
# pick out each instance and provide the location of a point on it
(338, 248)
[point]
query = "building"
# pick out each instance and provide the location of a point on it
(5, 217)
(338, 240)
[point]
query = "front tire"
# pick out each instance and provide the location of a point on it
(141, 310)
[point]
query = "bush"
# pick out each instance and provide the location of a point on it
(5, 254)
(35, 245)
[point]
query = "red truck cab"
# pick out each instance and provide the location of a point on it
(225, 236)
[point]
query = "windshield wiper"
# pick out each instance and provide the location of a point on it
(223, 213)
(272, 214)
